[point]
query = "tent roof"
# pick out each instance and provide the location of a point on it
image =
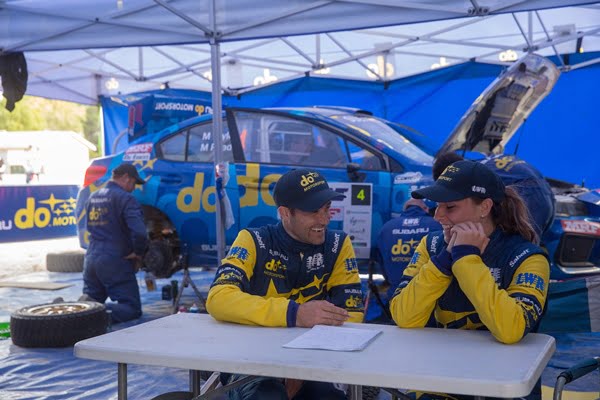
(134, 45)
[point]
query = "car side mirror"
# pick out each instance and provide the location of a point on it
(353, 173)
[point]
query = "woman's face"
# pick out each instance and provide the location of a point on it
(455, 212)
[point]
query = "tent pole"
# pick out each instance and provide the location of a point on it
(215, 62)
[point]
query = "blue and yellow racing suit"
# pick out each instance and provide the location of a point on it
(503, 290)
(267, 275)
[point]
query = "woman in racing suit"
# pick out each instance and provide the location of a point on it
(483, 270)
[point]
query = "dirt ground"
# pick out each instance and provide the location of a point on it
(24, 257)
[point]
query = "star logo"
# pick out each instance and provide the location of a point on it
(51, 201)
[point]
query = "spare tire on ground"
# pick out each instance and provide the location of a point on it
(57, 324)
(66, 261)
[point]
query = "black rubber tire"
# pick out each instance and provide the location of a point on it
(57, 324)
(370, 392)
(66, 261)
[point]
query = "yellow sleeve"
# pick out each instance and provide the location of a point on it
(344, 286)
(508, 314)
(229, 298)
(421, 285)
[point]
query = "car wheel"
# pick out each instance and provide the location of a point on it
(67, 261)
(57, 324)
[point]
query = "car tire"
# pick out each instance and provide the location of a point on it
(66, 261)
(57, 324)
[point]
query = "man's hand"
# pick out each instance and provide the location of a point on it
(320, 312)
(470, 233)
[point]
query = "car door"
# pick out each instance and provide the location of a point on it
(186, 187)
(274, 142)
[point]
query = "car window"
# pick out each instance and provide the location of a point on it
(195, 145)
(364, 158)
(387, 136)
(173, 148)
(277, 139)
(201, 147)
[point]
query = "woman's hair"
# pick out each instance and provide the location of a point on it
(512, 216)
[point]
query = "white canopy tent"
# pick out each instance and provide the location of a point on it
(79, 50)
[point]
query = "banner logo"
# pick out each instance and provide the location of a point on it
(48, 212)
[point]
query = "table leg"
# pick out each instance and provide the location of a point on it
(195, 382)
(122, 381)
(355, 392)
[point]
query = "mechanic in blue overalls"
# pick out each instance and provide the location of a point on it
(118, 240)
(295, 273)
(394, 249)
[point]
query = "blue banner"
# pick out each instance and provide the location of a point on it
(37, 212)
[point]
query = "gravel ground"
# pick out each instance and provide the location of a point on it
(25, 257)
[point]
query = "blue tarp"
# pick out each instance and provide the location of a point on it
(560, 138)
(52, 374)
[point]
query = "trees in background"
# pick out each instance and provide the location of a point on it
(36, 113)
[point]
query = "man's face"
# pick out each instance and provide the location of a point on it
(129, 184)
(307, 227)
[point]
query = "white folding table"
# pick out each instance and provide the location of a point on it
(435, 360)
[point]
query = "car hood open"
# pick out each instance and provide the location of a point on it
(499, 111)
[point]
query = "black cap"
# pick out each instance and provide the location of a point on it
(303, 189)
(464, 179)
(128, 169)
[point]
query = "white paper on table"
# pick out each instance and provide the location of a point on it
(336, 338)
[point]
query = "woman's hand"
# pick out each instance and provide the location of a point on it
(469, 233)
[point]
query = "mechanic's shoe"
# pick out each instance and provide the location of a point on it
(58, 300)
(86, 297)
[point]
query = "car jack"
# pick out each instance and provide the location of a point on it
(185, 282)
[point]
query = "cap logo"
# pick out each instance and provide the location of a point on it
(308, 181)
(478, 189)
(450, 169)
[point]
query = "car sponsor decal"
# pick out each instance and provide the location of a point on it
(138, 152)
(407, 177)
(583, 227)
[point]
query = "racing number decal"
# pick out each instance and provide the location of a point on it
(361, 195)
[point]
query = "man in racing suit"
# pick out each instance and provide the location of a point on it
(118, 241)
(295, 273)
(394, 248)
(482, 271)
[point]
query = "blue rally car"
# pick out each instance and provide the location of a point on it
(375, 162)
(371, 160)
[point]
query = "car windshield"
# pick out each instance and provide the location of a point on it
(385, 135)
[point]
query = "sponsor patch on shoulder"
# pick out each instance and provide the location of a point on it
(531, 280)
(239, 253)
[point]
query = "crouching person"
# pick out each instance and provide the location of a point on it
(295, 273)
